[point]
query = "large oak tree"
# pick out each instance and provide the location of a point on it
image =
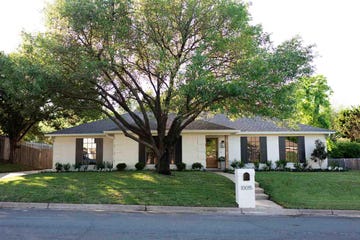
(168, 61)
(24, 97)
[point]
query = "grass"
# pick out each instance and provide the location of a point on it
(7, 167)
(313, 190)
(129, 187)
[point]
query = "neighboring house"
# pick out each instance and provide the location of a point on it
(204, 141)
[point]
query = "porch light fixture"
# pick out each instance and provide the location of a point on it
(222, 144)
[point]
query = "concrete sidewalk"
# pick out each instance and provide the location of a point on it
(179, 210)
(17, 174)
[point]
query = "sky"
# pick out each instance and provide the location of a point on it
(332, 25)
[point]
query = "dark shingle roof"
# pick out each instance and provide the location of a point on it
(258, 124)
(89, 128)
(100, 126)
(216, 122)
(204, 125)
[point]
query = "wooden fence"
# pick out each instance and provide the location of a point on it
(37, 156)
(347, 163)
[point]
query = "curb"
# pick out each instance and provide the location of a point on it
(180, 210)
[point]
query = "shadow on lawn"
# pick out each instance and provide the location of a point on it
(129, 187)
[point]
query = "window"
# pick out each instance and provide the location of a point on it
(253, 147)
(89, 151)
(150, 157)
(291, 149)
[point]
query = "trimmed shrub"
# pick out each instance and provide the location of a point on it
(77, 166)
(299, 167)
(109, 165)
(281, 164)
(100, 166)
(256, 165)
(268, 165)
(334, 165)
(58, 167)
(197, 166)
(67, 167)
(237, 164)
(140, 166)
(121, 166)
(345, 150)
(180, 166)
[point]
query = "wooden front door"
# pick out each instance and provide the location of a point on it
(212, 153)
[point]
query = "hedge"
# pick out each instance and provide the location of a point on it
(345, 150)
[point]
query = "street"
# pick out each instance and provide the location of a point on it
(52, 224)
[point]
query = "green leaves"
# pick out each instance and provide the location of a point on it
(313, 103)
(347, 123)
(24, 96)
(169, 57)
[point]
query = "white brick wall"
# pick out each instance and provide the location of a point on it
(64, 150)
(193, 149)
(125, 150)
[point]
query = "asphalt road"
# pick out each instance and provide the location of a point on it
(51, 224)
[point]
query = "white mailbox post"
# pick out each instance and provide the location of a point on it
(245, 187)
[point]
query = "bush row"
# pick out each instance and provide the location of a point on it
(78, 166)
(344, 150)
(120, 166)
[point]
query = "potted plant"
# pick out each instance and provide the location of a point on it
(221, 161)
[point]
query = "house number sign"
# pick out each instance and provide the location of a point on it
(248, 187)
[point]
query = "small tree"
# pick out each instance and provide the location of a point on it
(319, 154)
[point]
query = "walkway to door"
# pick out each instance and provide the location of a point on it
(262, 200)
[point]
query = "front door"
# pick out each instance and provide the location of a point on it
(211, 152)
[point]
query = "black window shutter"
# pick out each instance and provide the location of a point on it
(282, 153)
(301, 149)
(178, 151)
(99, 149)
(141, 153)
(79, 150)
(244, 150)
(263, 149)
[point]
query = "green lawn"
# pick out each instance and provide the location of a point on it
(317, 190)
(129, 187)
(7, 167)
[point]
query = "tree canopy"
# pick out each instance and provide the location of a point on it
(168, 61)
(313, 103)
(24, 97)
(347, 123)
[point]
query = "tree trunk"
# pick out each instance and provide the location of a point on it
(13, 144)
(164, 163)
